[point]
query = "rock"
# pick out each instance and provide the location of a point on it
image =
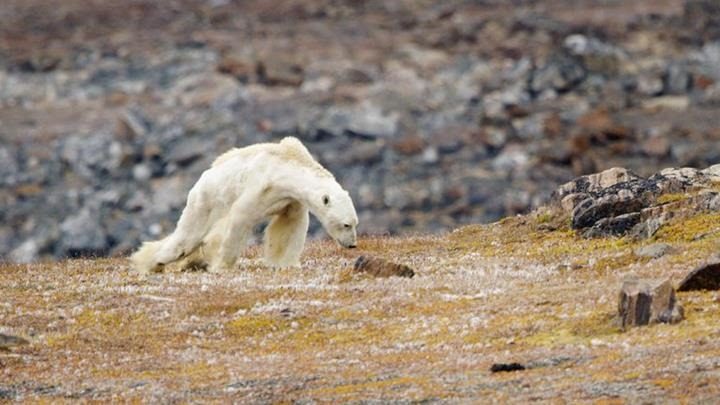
(278, 71)
(82, 235)
(365, 120)
(645, 302)
(654, 251)
(9, 168)
(514, 157)
(593, 183)
(677, 80)
(189, 150)
(409, 145)
(705, 277)
(597, 56)
(381, 268)
(649, 83)
(8, 342)
(712, 173)
(238, 66)
(678, 103)
(613, 226)
(656, 146)
(560, 73)
(27, 252)
(506, 367)
(132, 125)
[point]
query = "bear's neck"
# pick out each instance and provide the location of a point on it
(306, 187)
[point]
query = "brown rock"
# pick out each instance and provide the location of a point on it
(705, 277)
(280, 72)
(656, 146)
(409, 145)
(237, 66)
(645, 302)
(381, 268)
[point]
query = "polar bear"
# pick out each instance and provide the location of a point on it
(243, 187)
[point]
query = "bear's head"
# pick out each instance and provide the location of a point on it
(336, 212)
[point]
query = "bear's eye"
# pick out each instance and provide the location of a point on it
(347, 226)
(326, 200)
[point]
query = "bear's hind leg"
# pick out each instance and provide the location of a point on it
(285, 236)
(189, 232)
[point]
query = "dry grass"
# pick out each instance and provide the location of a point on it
(511, 291)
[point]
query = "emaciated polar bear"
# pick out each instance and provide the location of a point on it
(244, 186)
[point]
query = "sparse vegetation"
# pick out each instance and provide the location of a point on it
(511, 291)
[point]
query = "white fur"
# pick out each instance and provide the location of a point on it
(281, 182)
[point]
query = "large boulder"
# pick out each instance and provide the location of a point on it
(645, 302)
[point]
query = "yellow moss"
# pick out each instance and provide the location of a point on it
(668, 198)
(250, 326)
(664, 383)
(704, 225)
(359, 388)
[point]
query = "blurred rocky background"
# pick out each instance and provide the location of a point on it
(433, 114)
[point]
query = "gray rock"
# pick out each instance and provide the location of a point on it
(677, 79)
(645, 302)
(593, 210)
(82, 235)
(594, 183)
(597, 56)
(9, 168)
(705, 277)
(364, 120)
(654, 251)
(649, 83)
(142, 172)
(613, 225)
(89, 155)
(27, 252)
(560, 73)
(189, 150)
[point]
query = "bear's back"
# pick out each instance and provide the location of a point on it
(290, 149)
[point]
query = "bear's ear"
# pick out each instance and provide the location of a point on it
(326, 199)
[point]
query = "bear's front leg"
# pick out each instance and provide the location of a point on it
(285, 236)
(243, 217)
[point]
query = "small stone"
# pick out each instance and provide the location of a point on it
(653, 251)
(131, 125)
(678, 103)
(189, 150)
(506, 367)
(381, 268)
(8, 342)
(280, 72)
(409, 145)
(705, 277)
(142, 172)
(238, 66)
(645, 302)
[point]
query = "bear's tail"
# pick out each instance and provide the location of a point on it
(143, 260)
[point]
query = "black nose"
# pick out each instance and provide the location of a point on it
(352, 246)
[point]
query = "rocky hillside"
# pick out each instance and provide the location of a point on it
(525, 309)
(433, 114)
